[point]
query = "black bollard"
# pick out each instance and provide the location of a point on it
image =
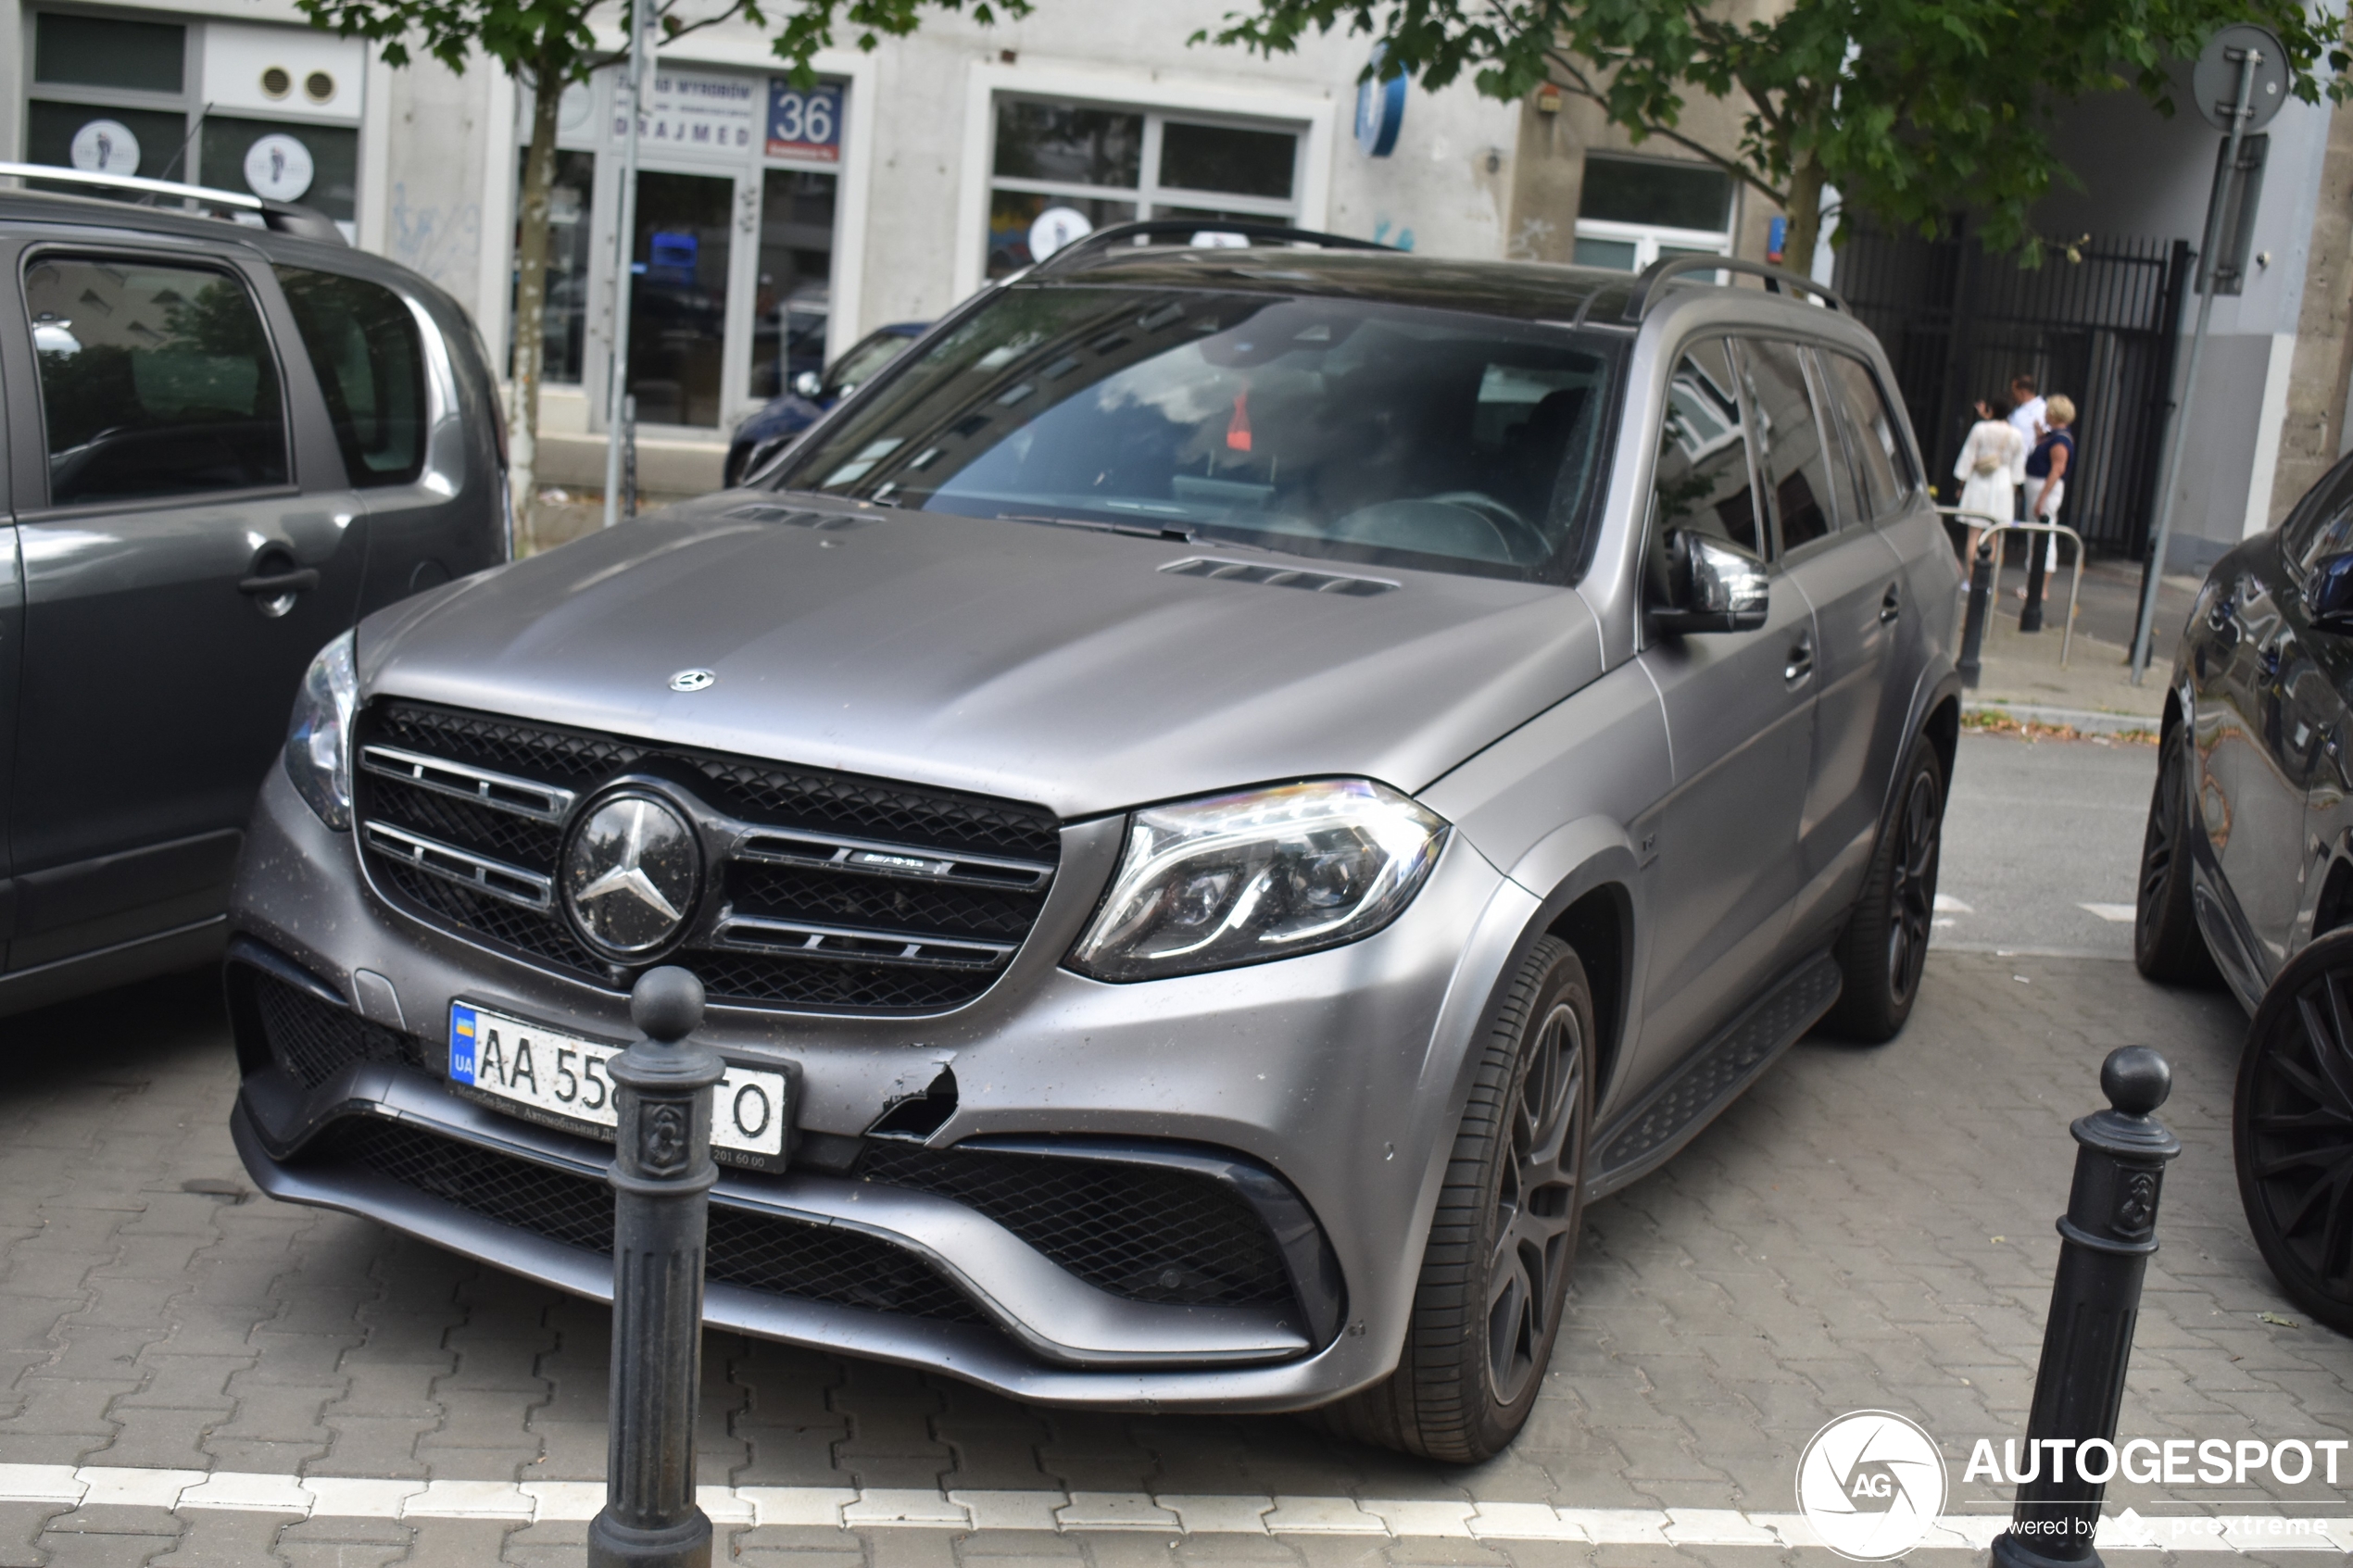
(663, 1173)
(2031, 618)
(1980, 593)
(2105, 1241)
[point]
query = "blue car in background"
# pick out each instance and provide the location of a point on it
(779, 420)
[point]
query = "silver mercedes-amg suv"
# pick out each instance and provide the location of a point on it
(1217, 803)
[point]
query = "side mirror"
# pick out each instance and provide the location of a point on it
(2328, 595)
(1714, 585)
(808, 384)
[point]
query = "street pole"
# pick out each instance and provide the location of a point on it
(663, 1176)
(625, 254)
(2208, 270)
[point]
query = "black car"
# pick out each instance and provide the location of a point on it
(2246, 872)
(224, 443)
(772, 429)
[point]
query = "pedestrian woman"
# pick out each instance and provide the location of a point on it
(1990, 468)
(2047, 463)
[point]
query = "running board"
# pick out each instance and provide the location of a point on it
(1663, 1120)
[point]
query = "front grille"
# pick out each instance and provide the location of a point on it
(758, 1251)
(314, 1040)
(942, 889)
(1148, 1232)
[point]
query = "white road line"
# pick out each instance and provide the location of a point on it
(1948, 905)
(324, 1497)
(2117, 914)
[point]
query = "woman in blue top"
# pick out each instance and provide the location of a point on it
(2048, 461)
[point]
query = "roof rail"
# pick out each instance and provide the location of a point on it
(283, 217)
(1667, 268)
(1084, 251)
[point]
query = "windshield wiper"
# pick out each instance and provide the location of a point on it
(1133, 530)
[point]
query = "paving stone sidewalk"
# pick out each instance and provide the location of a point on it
(1869, 1228)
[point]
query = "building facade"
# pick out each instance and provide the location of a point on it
(774, 225)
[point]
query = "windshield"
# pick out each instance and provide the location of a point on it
(1341, 428)
(860, 364)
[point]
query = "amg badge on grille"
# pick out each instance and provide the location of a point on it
(630, 874)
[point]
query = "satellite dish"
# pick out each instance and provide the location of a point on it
(2215, 81)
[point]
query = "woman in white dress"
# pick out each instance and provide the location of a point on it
(1990, 468)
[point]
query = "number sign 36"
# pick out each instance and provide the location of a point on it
(803, 124)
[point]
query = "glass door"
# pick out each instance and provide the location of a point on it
(678, 297)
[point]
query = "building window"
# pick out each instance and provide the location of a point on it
(794, 305)
(563, 331)
(1092, 167)
(1635, 211)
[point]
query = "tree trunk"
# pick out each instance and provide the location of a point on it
(531, 292)
(1805, 215)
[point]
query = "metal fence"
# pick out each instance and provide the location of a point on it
(1959, 323)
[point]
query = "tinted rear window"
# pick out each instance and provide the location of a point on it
(1341, 428)
(363, 343)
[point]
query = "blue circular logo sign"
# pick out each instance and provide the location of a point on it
(1381, 108)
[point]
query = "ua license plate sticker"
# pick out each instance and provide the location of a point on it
(512, 1059)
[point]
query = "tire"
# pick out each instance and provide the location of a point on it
(1883, 950)
(2166, 946)
(1494, 1277)
(2292, 1130)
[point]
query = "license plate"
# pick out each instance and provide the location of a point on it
(512, 1059)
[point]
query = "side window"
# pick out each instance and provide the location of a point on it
(156, 380)
(1795, 460)
(1701, 478)
(1882, 463)
(2321, 524)
(1852, 509)
(362, 341)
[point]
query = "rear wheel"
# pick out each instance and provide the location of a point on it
(2292, 1130)
(2167, 945)
(1495, 1273)
(1885, 949)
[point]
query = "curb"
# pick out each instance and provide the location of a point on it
(2083, 720)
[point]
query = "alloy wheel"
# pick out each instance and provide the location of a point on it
(1912, 892)
(1536, 1205)
(2296, 1124)
(2158, 846)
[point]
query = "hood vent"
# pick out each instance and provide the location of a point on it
(1279, 577)
(825, 523)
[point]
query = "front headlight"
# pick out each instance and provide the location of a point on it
(319, 740)
(1266, 873)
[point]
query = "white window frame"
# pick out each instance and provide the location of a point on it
(1312, 121)
(1648, 240)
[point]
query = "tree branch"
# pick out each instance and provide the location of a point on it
(1582, 86)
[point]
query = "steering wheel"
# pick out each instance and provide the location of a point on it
(1515, 530)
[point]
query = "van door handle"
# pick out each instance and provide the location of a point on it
(1890, 604)
(1801, 659)
(277, 582)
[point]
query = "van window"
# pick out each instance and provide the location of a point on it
(363, 343)
(156, 380)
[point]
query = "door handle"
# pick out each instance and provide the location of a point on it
(278, 583)
(1890, 604)
(1801, 659)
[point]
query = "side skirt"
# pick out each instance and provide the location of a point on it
(1649, 1131)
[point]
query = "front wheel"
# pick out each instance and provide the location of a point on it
(1885, 949)
(2166, 946)
(1494, 1277)
(2291, 1129)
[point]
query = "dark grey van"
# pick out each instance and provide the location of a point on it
(224, 443)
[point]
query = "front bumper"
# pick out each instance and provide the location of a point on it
(1341, 1071)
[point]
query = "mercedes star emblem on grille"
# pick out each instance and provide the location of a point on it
(693, 680)
(629, 876)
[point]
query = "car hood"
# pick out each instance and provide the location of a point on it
(1056, 665)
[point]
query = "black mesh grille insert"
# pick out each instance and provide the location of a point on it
(314, 1040)
(1145, 1232)
(876, 978)
(780, 1256)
